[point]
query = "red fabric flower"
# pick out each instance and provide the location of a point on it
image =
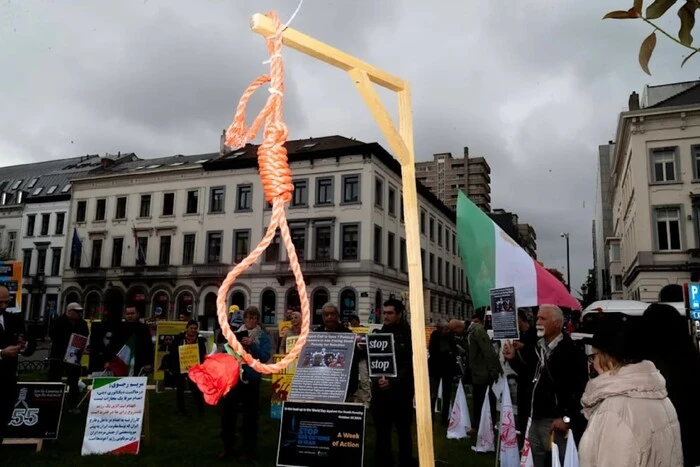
(216, 376)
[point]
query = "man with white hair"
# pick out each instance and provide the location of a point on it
(560, 377)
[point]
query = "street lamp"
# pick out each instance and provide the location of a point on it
(568, 263)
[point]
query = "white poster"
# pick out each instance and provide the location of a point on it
(115, 416)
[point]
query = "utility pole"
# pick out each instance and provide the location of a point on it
(568, 262)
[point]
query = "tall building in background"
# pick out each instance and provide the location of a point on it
(528, 239)
(445, 176)
(523, 234)
(603, 231)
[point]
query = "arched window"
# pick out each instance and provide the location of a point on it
(293, 302)
(238, 299)
(138, 299)
(209, 322)
(185, 305)
(161, 305)
(318, 299)
(92, 304)
(114, 303)
(348, 304)
(268, 305)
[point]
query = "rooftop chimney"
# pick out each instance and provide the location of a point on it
(107, 162)
(466, 152)
(634, 101)
(222, 143)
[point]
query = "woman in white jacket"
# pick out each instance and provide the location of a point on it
(631, 421)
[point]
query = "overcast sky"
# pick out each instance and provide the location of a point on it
(534, 86)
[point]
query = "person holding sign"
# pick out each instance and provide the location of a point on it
(392, 398)
(294, 331)
(189, 339)
(68, 330)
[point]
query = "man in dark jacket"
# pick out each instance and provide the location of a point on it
(442, 366)
(392, 398)
(62, 328)
(331, 323)
(143, 343)
(13, 342)
(189, 337)
(526, 351)
(560, 377)
(106, 339)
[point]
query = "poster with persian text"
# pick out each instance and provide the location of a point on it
(115, 416)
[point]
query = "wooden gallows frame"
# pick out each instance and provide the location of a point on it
(400, 140)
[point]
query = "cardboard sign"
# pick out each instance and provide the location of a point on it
(314, 434)
(37, 412)
(76, 346)
(504, 313)
(189, 357)
(381, 355)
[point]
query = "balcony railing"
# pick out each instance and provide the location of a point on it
(311, 266)
(210, 270)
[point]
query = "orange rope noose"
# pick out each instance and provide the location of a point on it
(277, 184)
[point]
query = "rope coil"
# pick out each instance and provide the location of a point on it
(277, 185)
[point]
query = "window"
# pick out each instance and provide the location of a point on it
(100, 209)
(145, 208)
(117, 252)
(392, 201)
(663, 165)
(45, 220)
(11, 244)
(454, 277)
(668, 229)
(120, 211)
(41, 261)
(60, 223)
(350, 235)
(66, 188)
(301, 193)
(37, 191)
(431, 266)
(403, 263)
(391, 250)
(439, 270)
(432, 229)
(272, 254)
(422, 222)
(447, 274)
(618, 283)
(324, 191)
(351, 188)
(696, 162)
(323, 242)
(51, 190)
(168, 204)
(447, 239)
(401, 207)
(192, 202)
(214, 245)
(96, 258)
(56, 261)
(164, 253)
(614, 252)
(142, 252)
(377, 244)
(27, 262)
(454, 243)
(422, 263)
(299, 240)
(32, 182)
(379, 192)
(439, 234)
(31, 220)
(245, 198)
(216, 199)
(188, 249)
(241, 245)
(81, 211)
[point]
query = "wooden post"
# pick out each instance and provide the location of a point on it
(401, 143)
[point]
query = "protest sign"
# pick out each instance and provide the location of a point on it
(504, 314)
(381, 355)
(189, 357)
(37, 412)
(316, 434)
(76, 346)
(281, 383)
(166, 331)
(115, 416)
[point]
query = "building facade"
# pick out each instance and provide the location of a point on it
(656, 199)
(161, 234)
(603, 262)
(446, 176)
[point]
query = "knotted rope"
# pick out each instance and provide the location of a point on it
(278, 188)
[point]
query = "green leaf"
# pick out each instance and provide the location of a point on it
(646, 50)
(687, 15)
(688, 57)
(619, 14)
(658, 8)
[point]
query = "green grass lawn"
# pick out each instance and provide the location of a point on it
(177, 440)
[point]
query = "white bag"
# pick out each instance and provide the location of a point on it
(571, 454)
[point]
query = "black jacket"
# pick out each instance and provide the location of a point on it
(144, 347)
(9, 334)
(60, 332)
(106, 339)
(354, 369)
(442, 363)
(402, 386)
(174, 352)
(562, 379)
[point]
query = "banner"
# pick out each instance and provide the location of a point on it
(115, 416)
(316, 434)
(189, 357)
(166, 331)
(37, 412)
(76, 347)
(11, 277)
(281, 385)
(282, 327)
(381, 355)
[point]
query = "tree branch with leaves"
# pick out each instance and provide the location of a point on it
(658, 8)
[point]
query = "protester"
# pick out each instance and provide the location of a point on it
(363, 394)
(189, 337)
(526, 351)
(143, 343)
(62, 328)
(245, 396)
(295, 330)
(631, 421)
(106, 339)
(665, 340)
(332, 323)
(442, 367)
(14, 341)
(560, 377)
(392, 398)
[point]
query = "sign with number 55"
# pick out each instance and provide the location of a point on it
(37, 412)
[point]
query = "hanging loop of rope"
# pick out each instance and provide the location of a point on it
(278, 188)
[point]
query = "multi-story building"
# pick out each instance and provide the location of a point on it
(523, 234)
(528, 239)
(656, 201)
(446, 176)
(606, 260)
(161, 234)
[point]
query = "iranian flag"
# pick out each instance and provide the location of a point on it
(123, 363)
(492, 259)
